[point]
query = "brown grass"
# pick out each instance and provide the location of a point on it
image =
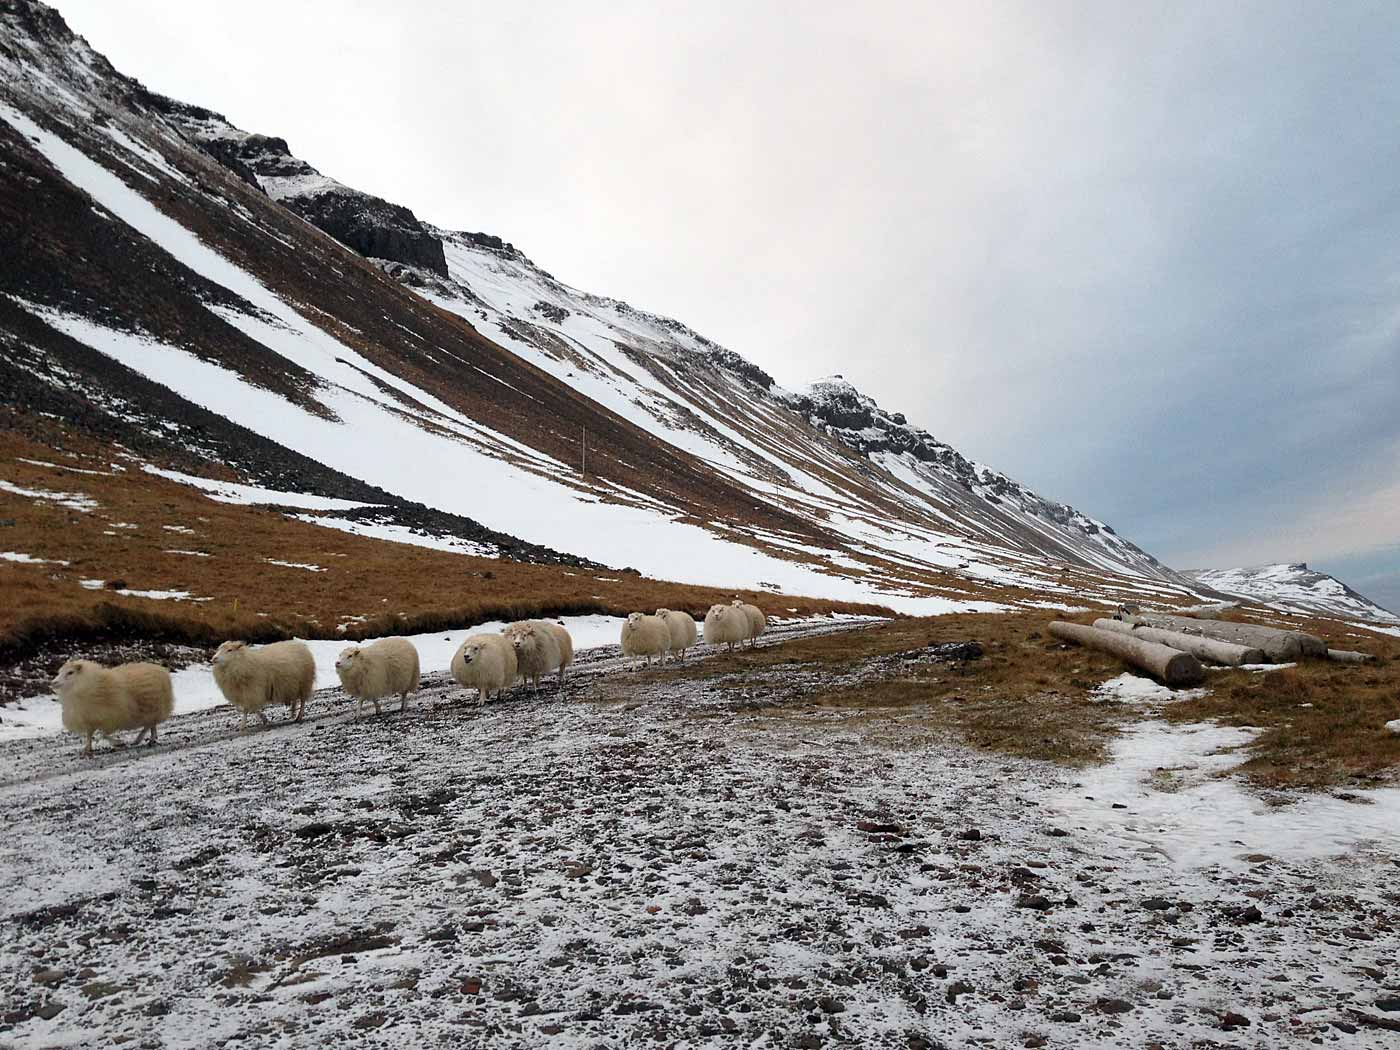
(372, 586)
(1029, 695)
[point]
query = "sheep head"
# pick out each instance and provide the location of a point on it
(347, 658)
(70, 673)
(227, 650)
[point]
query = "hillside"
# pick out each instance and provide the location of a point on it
(1296, 589)
(204, 299)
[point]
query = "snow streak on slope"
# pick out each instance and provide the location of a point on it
(1295, 588)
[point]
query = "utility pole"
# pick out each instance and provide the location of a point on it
(585, 452)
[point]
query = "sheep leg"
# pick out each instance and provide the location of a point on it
(263, 718)
(145, 731)
(481, 697)
(301, 709)
(242, 720)
(87, 751)
(152, 741)
(403, 702)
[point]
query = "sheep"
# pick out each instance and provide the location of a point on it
(540, 647)
(724, 624)
(682, 626)
(377, 670)
(645, 636)
(99, 699)
(486, 663)
(250, 679)
(758, 623)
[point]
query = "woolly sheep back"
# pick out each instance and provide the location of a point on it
(682, 626)
(645, 636)
(540, 647)
(386, 667)
(104, 700)
(758, 623)
(725, 625)
(486, 663)
(250, 679)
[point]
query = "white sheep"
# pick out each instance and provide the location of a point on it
(645, 636)
(758, 623)
(104, 700)
(540, 647)
(486, 663)
(682, 626)
(250, 679)
(725, 625)
(383, 668)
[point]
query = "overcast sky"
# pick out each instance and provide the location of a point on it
(1143, 257)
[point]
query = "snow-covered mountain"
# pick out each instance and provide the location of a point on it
(200, 294)
(1297, 589)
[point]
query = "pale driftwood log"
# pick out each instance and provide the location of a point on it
(1278, 645)
(1345, 656)
(1170, 666)
(1212, 649)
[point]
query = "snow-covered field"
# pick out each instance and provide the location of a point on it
(678, 864)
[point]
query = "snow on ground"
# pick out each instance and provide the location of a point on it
(400, 534)
(669, 865)
(1132, 688)
(1179, 805)
(306, 565)
(233, 492)
(71, 500)
(20, 558)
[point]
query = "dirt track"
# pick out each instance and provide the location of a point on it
(685, 864)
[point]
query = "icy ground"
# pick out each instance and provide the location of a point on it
(695, 864)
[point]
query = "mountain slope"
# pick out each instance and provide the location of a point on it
(192, 287)
(1297, 589)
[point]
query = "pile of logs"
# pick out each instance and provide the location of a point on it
(1171, 648)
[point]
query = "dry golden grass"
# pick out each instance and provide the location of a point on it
(373, 586)
(1029, 695)
(1323, 722)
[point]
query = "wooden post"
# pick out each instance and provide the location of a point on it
(584, 471)
(1212, 649)
(1170, 666)
(1279, 646)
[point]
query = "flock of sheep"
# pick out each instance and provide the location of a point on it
(107, 700)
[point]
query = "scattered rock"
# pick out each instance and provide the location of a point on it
(1230, 1020)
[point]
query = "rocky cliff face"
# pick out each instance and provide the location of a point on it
(372, 226)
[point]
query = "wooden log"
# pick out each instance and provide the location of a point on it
(1278, 645)
(1170, 666)
(1202, 648)
(1344, 656)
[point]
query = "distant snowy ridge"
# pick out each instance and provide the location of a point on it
(1297, 589)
